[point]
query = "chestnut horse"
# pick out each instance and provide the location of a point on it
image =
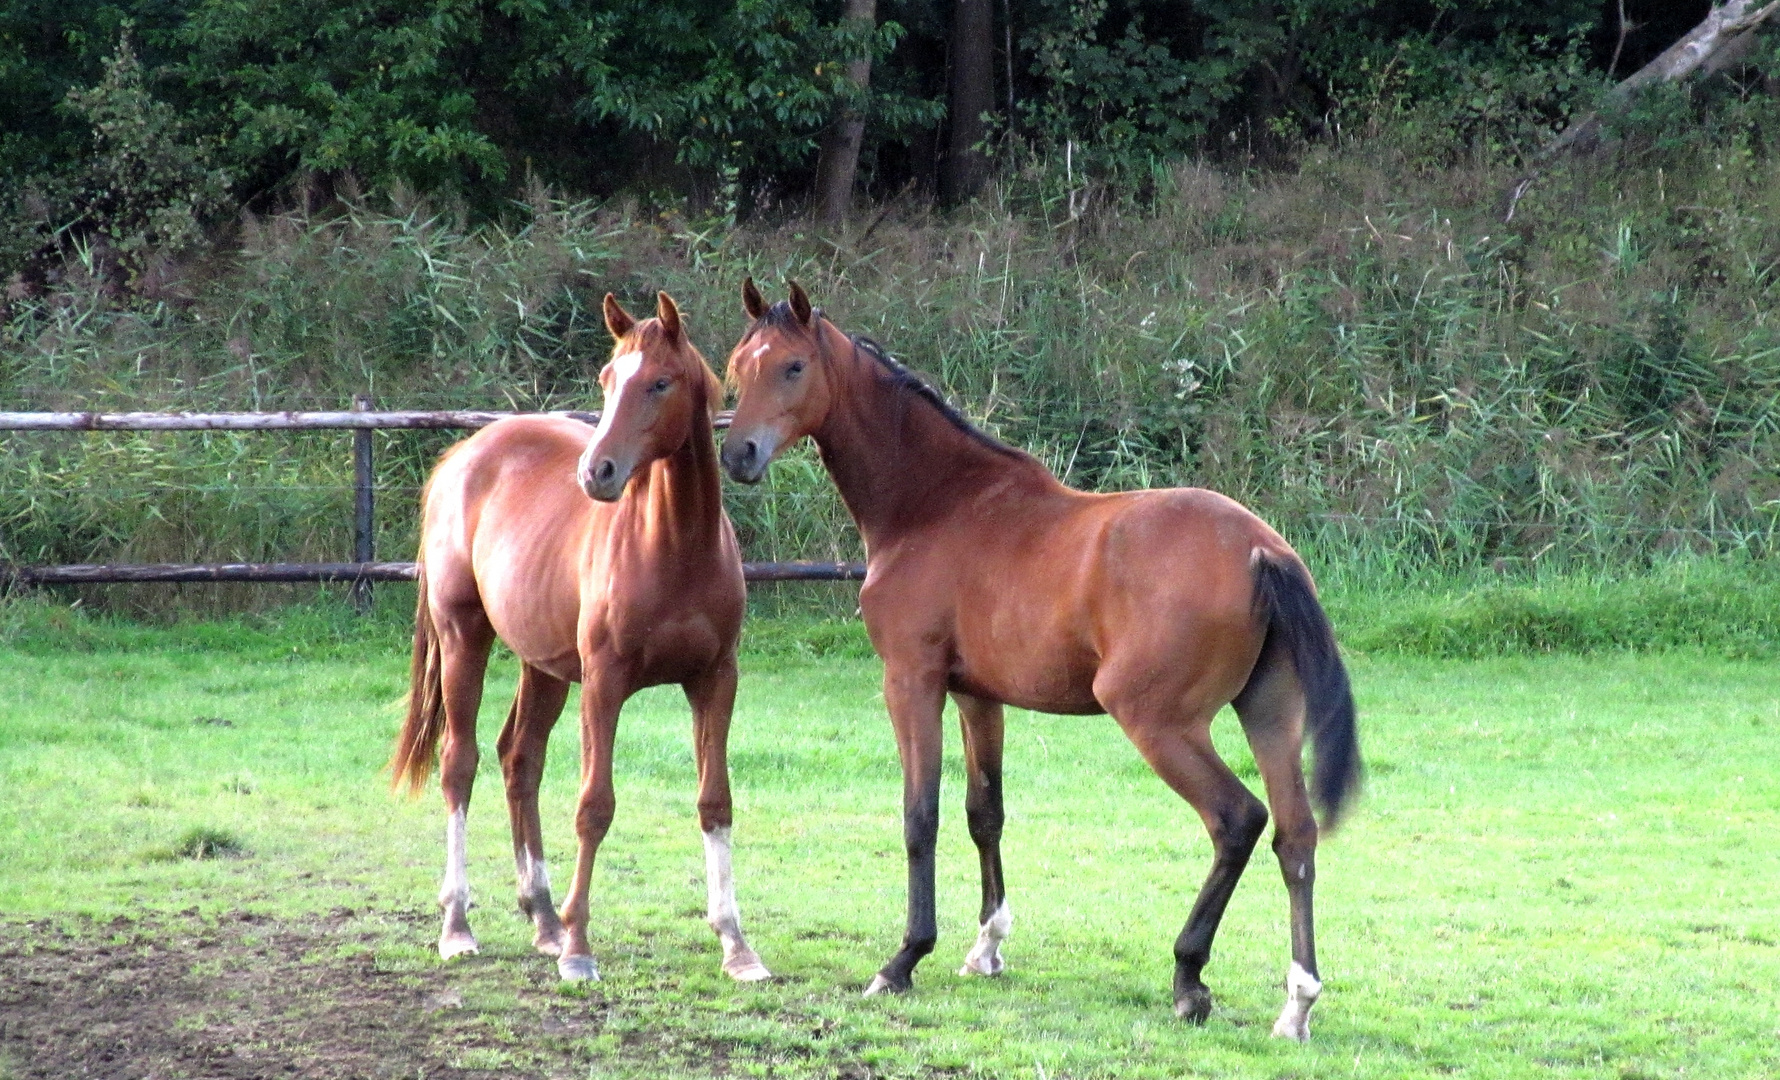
(990, 580)
(639, 585)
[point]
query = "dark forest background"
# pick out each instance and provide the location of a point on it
(726, 103)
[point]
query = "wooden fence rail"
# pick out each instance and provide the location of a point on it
(272, 421)
(94, 574)
(364, 570)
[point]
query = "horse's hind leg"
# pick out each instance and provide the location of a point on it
(983, 726)
(464, 639)
(521, 746)
(1182, 755)
(712, 697)
(1272, 712)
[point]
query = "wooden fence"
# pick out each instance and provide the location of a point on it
(364, 569)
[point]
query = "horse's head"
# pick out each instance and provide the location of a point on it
(782, 380)
(656, 388)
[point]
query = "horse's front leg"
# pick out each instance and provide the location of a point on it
(712, 697)
(983, 726)
(915, 696)
(603, 691)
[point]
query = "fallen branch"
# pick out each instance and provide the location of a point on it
(1721, 27)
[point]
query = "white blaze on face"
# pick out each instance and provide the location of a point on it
(454, 891)
(624, 369)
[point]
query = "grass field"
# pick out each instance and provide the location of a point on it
(1561, 866)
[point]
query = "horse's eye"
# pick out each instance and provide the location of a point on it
(661, 385)
(794, 370)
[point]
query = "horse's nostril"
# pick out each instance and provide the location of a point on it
(606, 470)
(752, 449)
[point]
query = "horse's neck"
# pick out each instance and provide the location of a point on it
(679, 500)
(897, 461)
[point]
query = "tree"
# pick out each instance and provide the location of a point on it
(970, 93)
(838, 162)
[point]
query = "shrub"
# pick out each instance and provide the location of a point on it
(145, 190)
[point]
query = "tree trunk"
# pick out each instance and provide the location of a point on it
(1722, 27)
(971, 87)
(838, 163)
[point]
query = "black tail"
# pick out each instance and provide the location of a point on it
(1296, 622)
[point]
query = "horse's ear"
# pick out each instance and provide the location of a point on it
(800, 303)
(618, 320)
(669, 314)
(752, 302)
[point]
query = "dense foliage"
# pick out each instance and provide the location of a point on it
(725, 100)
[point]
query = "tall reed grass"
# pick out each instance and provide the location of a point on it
(1359, 349)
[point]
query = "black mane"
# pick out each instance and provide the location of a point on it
(904, 379)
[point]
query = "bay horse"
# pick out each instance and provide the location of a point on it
(600, 556)
(990, 580)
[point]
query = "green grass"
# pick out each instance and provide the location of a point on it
(1562, 865)
(1728, 608)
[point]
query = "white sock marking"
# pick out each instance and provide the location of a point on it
(984, 957)
(454, 890)
(1302, 990)
(723, 914)
(534, 879)
(720, 906)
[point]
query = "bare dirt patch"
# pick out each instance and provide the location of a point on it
(250, 997)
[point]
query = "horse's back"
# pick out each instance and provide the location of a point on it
(1051, 592)
(1202, 540)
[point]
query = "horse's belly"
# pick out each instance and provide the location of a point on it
(1043, 680)
(536, 617)
(1021, 646)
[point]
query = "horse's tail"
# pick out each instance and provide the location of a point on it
(418, 744)
(1297, 622)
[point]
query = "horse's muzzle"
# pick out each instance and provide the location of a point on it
(745, 458)
(603, 479)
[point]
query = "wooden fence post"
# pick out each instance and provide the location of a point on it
(363, 524)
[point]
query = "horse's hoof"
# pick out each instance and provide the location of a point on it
(1292, 1025)
(458, 943)
(577, 969)
(990, 965)
(881, 985)
(548, 944)
(748, 969)
(1194, 1006)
